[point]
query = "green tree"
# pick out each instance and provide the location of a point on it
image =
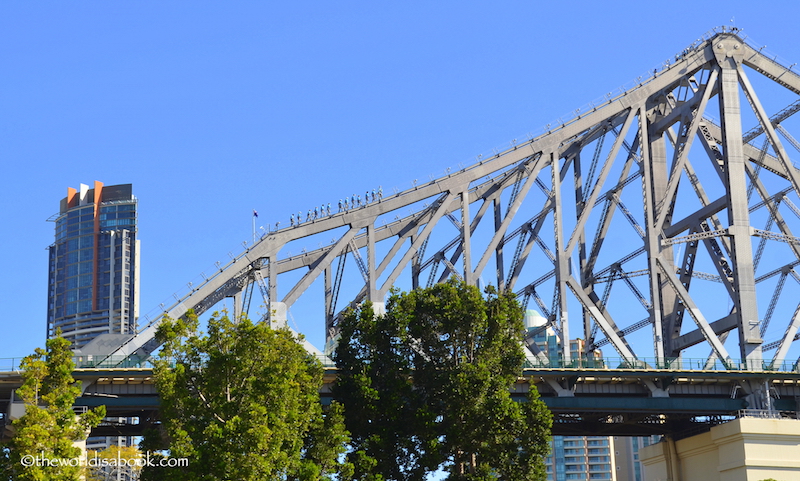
(242, 403)
(49, 428)
(426, 386)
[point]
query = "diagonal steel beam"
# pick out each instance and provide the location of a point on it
(606, 324)
(584, 215)
(500, 233)
(763, 119)
(694, 312)
(445, 200)
(788, 337)
(320, 266)
(681, 153)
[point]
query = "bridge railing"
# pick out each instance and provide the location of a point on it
(758, 413)
(89, 362)
(132, 363)
(677, 364)
(10, 364)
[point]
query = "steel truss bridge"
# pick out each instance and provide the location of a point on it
(656, 225)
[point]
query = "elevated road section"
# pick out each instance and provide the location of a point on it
(585, 400)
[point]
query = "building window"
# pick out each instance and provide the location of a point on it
(85, 305)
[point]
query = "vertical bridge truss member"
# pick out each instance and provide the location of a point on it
(646, 192)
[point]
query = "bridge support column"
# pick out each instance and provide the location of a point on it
(379, 308)
(759, 395)
(729, 54)
(372, 291)
(650, 158)
(562, 260)
(277, 317)
(465, 238)
(237, 306)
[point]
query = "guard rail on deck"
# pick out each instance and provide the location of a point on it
(759, 413)
(11, 364)
(677, 364)
(644, 364)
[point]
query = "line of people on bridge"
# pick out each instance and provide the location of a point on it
(345, 204)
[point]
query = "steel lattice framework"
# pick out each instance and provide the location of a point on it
(644, 193)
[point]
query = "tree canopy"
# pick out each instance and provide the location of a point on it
(426, 387)
(49, 428)
(242, 403)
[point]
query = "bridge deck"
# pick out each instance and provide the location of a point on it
(598, 401)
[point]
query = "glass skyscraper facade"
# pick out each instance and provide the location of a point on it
(581, 457)
(93, 282)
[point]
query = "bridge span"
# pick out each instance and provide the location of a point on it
(656, 223)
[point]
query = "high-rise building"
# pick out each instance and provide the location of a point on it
(581, 457)
(93, 283)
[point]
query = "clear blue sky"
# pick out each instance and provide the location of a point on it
(213, 109)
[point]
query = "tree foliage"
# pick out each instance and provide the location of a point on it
(49, 428)
(426, 386)
(242, 403)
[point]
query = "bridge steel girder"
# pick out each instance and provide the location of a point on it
(657, 138)
(585, 399)
(589, 398)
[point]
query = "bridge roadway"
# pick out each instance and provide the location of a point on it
(596, 401)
